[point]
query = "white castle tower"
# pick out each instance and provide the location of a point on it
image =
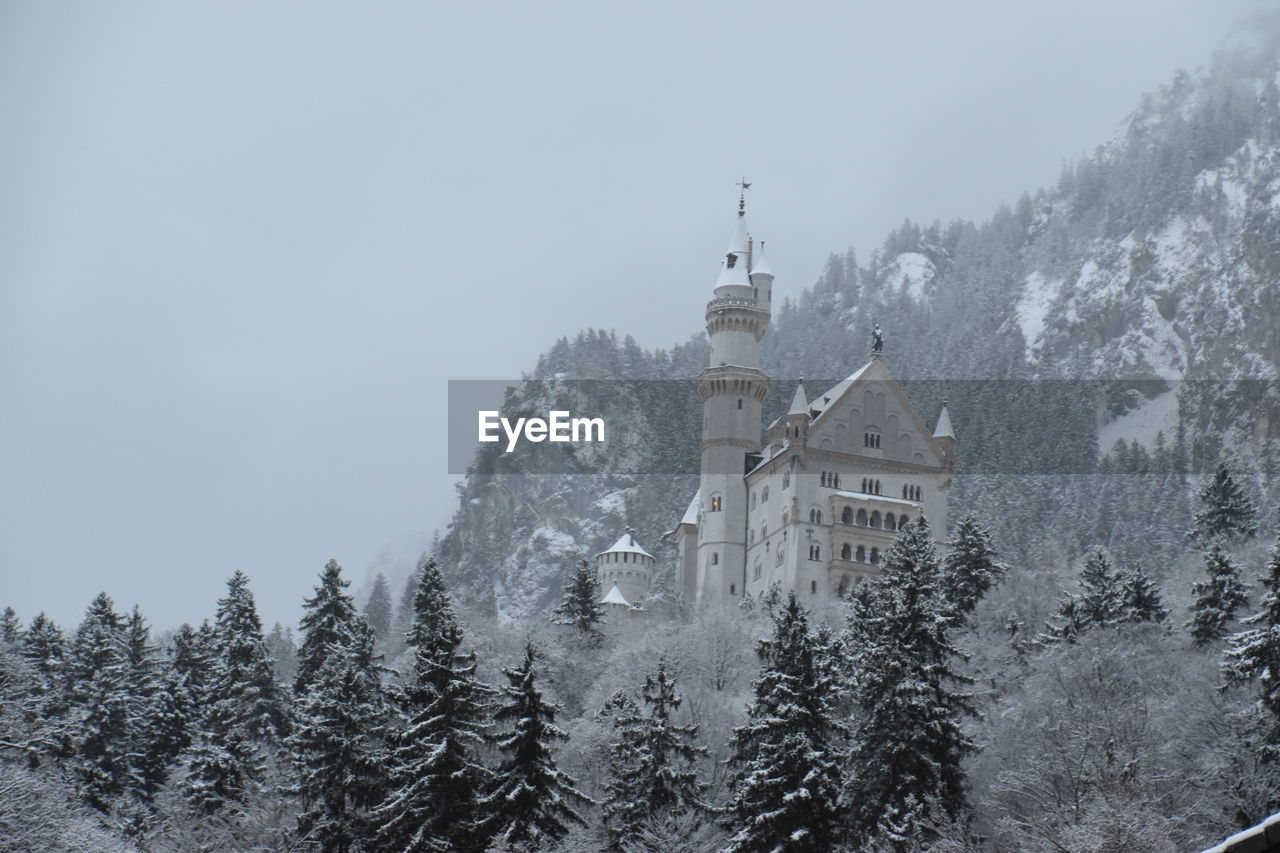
(624, 572)
(733, 389)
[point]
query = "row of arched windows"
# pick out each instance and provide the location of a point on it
(815, 516)
(871, 439)
(860, 554)
(830, 480)
(624, 557)
(887, 522)
(913, 493)
(815, 552)
(870, 486)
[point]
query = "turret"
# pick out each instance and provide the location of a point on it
(625, 569)
(944, 436)
(797, 417)
(761, 278)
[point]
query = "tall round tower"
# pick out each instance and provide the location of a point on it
(732, 388)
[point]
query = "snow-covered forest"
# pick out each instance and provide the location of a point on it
(1089, 665)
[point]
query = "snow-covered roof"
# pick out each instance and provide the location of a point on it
(626, 544)
(767, 455)
(799, 403)
(1256, 838)
(943, 429)
(691, 514)
(615, 596)
(820, 405)
(759, 266)
(738, 242)
(736, 274)
(868, 496)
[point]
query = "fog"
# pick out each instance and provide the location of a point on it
(243, 248)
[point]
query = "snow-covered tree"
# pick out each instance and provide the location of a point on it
(377, 610)
(907, 740)
(328, 620)
(1140, 598)
(245, 710)
(1217, 597)
(970, 566)
(1225, 513)
(44, 646)
(581, 608)
(434, 774)
(10, 626)
(651, 760)
(786, 783)
(1254, 653)
(1099, 601)
(531, 802)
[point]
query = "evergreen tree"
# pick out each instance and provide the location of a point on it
(406, 612)
(1139, 598)
(158, 725)
(651, 762)
(907, 739)
(434, 776)
(1217, 597)
(1225, 512)
(245, 710)
(328, 620)
(970, 567)
(1099, 603)
(191, 658)
(284, 653)
(44, 648)
(1254, 654)
(581, 608)
(10, 626)
(339, 748)
(98, 730)
(377, 610)
(531, 802)
(787, 781)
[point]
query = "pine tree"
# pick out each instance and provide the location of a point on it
(245, 710)
(651, 762)
(907, 740)
(970, 567)
(377, 610)
(1254, 654)
(338, 745)
(98, 728)
(1217, 597)
(434, 775)
(284, 653)
(45, 649)
(787, 781)
(531, 802)
(1139, 598)
(1099, 603)
(1225, 512)
(10, 626)
(581, 608)
(158, 727)
(406, 612)
(327, 621)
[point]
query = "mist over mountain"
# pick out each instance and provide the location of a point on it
(1131, 309)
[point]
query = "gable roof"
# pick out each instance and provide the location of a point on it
(874, 370)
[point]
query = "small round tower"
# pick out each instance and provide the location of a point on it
(626, 566)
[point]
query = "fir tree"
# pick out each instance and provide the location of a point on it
(907, 739)
(10, 626)
(245, 713)
(339, 748)
(1217, 597)
(377, 610)
(1254, 654)
(1139, 598)
(1225, 512)
(1099, 603)
(970, 567)
(158, 730)
(328, 618)
(434, 775)
(44, 648)
(98, 729)
(651, 762)
(531, 802)
(581, 608)
(786, 784)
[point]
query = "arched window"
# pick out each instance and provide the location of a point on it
(715, 558)
(753, 500)
(815, 552)
(764, 494)
(862, 518)
(846, 552)
(739, 402)
(846, 516)
(733, 589)
(864, 485)
(875, 556)
(786, 480)
(902, 521)
(786, 518)
(757, 569)
(715, 503)
(764, 531)
(837, 481)
(889, 523)
(751, 537)
(844, 586)
(905, 493)
(777, 557)
(862, 554)
(875, 519)
(822, 479)
(813, 586)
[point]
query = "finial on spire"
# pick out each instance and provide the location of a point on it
(742, 196)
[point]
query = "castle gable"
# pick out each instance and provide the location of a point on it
(868, 414)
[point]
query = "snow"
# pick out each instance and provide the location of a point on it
(838, 390)
(799, 403)
(1158, 414)
(615, 596)
(691, 513)
(1263, 832)
(760, 266)
(943, 429)
(1032, 308)
(626, 544)
(614, 503)
(869, 496)
(911, 273)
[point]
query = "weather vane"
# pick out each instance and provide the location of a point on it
(742, 196)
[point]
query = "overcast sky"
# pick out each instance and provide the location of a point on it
(244, 246)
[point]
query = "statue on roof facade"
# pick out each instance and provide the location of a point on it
(877, 339)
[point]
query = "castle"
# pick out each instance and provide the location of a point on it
(814, 507)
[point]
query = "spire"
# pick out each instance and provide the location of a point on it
(759, 266)
(943, 429)
(733, 269)
(799, 403)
